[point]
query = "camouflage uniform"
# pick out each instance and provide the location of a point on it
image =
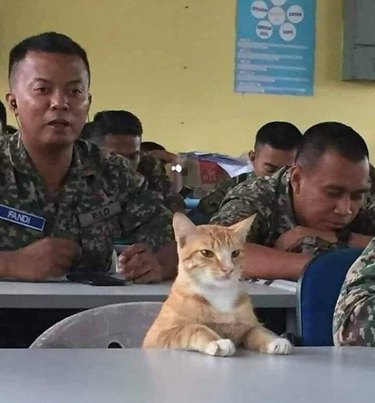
(271, 199)
(158, 181)
(102, 199)
(354, 317)
(210, 204)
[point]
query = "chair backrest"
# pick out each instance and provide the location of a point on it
(318, 290)
(118, 325)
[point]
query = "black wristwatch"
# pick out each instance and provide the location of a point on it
(343, 237)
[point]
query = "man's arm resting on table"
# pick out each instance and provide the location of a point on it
(46, 257)
(168, 260)
(263, 262)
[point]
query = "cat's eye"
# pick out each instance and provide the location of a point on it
(236, 253)
(207, 253)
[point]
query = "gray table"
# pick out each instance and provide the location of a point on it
(73, 295)
(310, 375)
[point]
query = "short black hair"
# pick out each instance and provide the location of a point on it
(47, 42)
(91, 132)
(148, 146)
(331, 136)
(118, 123)
(3, 116)
(279, 135)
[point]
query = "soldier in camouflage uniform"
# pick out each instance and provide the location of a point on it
(121, 132)
(64, 201)
(321, 203)
(275, 146)
(354, 318)
(103, 199)
(154, 171)
(158, 153)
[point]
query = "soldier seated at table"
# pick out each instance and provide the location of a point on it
(321, 203)
(64, 201)
(275, 147)
(121, 132)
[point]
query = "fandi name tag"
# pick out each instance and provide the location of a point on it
(100, 214)
(22, 218)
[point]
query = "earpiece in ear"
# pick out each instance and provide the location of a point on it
(13, 104)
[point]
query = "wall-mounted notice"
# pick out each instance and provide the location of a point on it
(275, 47)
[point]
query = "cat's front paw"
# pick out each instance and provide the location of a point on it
(279, 346)
(221, 348)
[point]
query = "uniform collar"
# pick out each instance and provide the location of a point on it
(21, 161)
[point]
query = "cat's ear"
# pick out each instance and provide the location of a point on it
(182, 226)
(242, 228)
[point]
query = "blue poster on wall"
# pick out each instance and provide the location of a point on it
(275, 47)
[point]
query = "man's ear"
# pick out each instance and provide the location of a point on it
(252, 156)
(296, 178)
(12, 103)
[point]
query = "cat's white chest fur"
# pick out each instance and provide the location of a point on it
(223, 299)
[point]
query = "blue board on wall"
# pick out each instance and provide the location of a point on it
(275, 47)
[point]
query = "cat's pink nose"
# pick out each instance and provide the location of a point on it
(227, 272)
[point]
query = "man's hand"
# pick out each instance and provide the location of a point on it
(290, 239)
(139, 263)
(47, 257)
(164, 155)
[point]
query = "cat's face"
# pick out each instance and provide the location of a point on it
(210, 255)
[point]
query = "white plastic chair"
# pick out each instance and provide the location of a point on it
(111, 326)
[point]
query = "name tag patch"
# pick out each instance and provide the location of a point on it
(22, 218)
(100, 214)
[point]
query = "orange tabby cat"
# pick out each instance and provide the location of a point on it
(207, 309)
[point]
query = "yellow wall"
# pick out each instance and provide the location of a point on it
(171, 62)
